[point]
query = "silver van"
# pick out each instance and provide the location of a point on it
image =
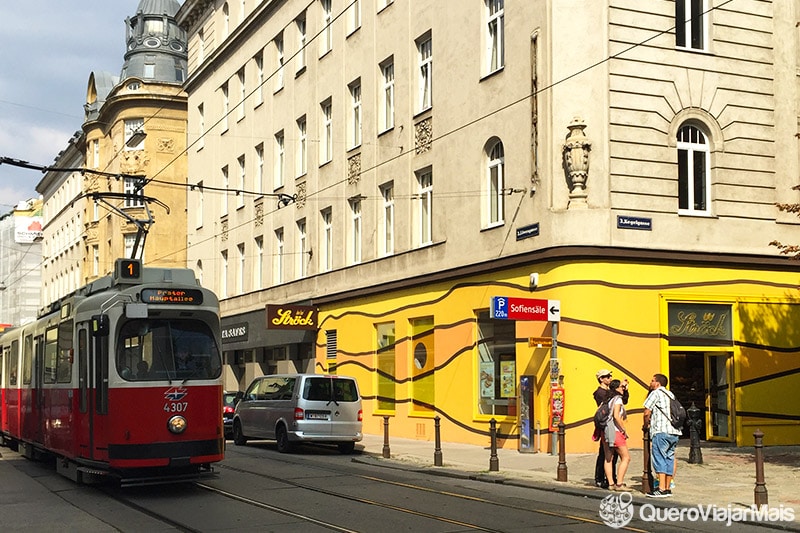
(292, 408)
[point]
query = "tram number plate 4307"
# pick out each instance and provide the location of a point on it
(176, 407)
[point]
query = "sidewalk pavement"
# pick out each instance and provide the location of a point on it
(726, 476)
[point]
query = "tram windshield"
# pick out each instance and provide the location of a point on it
(155, 350)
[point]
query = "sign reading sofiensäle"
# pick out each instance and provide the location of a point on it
(291, 317)
(697, 324)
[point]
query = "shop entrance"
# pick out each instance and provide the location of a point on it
(703, 378)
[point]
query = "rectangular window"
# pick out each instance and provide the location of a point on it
(326, 261)
(50, 355)
(199, 206)
(386, 365)
(279, 62)
(223, 275)
(354, 17)
(136, 193)
(423, 390)
(425, 183)
(96, 153)
(326, 37)
(355, 230)
(259, 93)
(277, 273)
(149, 70)
(496, 365)
(690, 24)
(95, 260)
(387, 193)
(258, 266)
(279, 156)
(240, 273)
(300, 24)
(134, 126)
(201, 45)
(201, 127)
(495, 51)
(425, 50)
(224, 194)
(355, 113)
(387, 102)
(129, 240)
(301, 248)
(242, 94)
(242, 183)
(258, 185)
(302, 146)
(326, 146)
(226, 107)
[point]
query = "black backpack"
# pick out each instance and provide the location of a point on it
(677, 414)
(602, 415)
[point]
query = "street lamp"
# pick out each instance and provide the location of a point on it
(136, 139)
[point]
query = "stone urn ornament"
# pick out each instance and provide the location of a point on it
(576, 161)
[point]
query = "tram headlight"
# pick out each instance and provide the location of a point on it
(177, 424)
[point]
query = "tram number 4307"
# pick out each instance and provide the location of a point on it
(176, 407)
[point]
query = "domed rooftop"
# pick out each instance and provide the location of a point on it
(156, 45)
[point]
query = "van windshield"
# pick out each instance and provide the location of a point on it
(328, 389)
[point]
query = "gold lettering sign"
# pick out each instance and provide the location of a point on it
(291, 317)
(698, 324)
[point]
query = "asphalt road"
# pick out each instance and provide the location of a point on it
(317, 489)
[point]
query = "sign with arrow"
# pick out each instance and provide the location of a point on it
(507, 308)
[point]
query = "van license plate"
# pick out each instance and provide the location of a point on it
(317, 416)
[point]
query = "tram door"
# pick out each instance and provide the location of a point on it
(37, 399)
(84, 418)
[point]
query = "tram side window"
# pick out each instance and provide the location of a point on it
(65, 359)
(50, 355)
(13, 361)
(27, 359)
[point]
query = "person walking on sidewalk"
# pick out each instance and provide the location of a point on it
(601, 394)
(663, 436)
(616, 438)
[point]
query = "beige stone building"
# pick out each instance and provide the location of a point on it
(407, 168)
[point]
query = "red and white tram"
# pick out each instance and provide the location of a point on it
(120, 379)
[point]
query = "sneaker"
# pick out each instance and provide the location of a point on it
(659, 494)
(667, 493)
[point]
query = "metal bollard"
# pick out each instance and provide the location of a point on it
(695, 454)
(386, 453)
(647, 475)
(437, 452)
(561, 474)
(494, 464)
(760, 491)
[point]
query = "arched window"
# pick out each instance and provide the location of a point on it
(694, 176)
(494, 184)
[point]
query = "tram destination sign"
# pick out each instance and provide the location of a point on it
(172, 296)
(507, 308)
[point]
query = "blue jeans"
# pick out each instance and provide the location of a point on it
(664, 446)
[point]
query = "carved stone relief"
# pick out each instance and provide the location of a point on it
(423, 135)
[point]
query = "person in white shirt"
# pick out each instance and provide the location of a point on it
(663, 436)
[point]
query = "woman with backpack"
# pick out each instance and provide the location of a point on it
(616, 438)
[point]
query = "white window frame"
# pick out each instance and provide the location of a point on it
(691, 24)
(355, 230)
(242, 93)
(95, 260)
(226, 106)
(326, 259)
(133, 125)
(224, 195)
(354, 17)
(302, 38)
(425, 88)
(129, 185)
(280, 155)
(425, 211)
(495, 181)
(240, 273)
(223, 275)
(279, 59)
(387, 219)
(242, 181)
(199, 206)
(326, 146)
(495, 35)
(201, 125)
(258, 266)
(96, 153)
(302, 146)
(277, 273)
(301, 248)
(387, 100)
(226, 20)
(355, 114)
(326, 39)
(259, 176)
(694, 144)
(259, 95)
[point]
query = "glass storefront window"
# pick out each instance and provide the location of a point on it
(497, 376)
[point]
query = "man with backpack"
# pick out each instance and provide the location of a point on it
(664, 434)
(601, 395)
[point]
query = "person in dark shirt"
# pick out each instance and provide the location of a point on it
(601, 394)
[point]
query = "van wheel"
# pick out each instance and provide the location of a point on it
(238, 437)
(282, 438)
(346, 448)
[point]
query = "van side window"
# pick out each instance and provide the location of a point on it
(277, 389)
